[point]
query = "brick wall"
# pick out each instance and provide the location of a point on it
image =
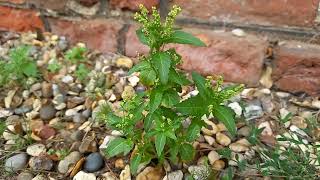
(282, 34)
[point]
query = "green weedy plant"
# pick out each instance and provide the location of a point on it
(152, 122)
(19, 69)
(76, 56)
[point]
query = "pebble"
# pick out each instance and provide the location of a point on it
(253, 111)
(175, 175)
(244, 131)
(106, 141)
(40, 177)
(267, 131)
(150, 173)
(210, 140)
(124, 62)
(88, 145)
(41, 163)
(223, 139)
(238, 147)
(36, 149)
(69, 161)
(210, 129)
(218, 165)
(316, 104)
(133, 81)
(125, 174)
(79, 118)
(68, 79)
(213, 156)
(235, 106)
(267, 104)
(25, 176)
(238, 32)
(200, 172)
(298, 121)
(77, 135)
(119, 163)
(46, 89)
(84, 176)
(47, 112)
(94, 162)
(8, 99)
(282, 94)
(16, 162)
(128, 93)
(109, 176)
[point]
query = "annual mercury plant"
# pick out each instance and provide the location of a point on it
(151, 122)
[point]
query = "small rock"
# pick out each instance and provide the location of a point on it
(125, 174)
(124, 62)
(67, 79)
(8, 99)
(88, 145)
(244, 131)
(25, 176)
(109, 176)
(213, 156)
(40, 177)
(84, 10)
(106, 141)
(133, 80)
(36, 149)
(77, 135)
(238, 147)
(267, 104)
(84, 176)
(218, 165)
(47, 112)
(16, 162)
(316, 104)
(295, 129)
(119, 163)
(210, 140)
(128, 93)
(282, 95)
(253, 111)
(41, 163)
(69, 161)
(223, 139)
(93, 162)
(238, 32)
(46, 132)
(201, 172)
(299, 122)
(150, 173)
(175, 175)
(46, 89)
(79, 118)
(210, 129)
(221, 127)
(267, 128)
(235, 106)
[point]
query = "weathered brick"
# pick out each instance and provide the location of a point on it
(88, 3)
(297, 68)
(133, 4)
(19, 20)
(56, 5)
(236, 59)
(97, 34)
(265, 12)
(14, 1)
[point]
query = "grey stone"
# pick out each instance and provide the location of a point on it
(68, 161)
(41, 163)
(16, 162)
(47, 112)
(25, 176)
(94, 162)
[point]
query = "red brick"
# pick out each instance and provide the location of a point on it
(297, 68)
(14, 1)
(237, 59)
(97, 34)
(133, 4)
(19, 20)
(265, 12)
(57, 5)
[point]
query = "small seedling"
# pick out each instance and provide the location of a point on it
(82, 72)
(76, 55)
(54, 66)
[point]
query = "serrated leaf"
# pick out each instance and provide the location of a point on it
(226, 116)
(170, 134)
(143, 65)
(118, 146)
(170, 98)
(200, 82)
(162, 62)
(30, 69)
(227, 175)
(148, 76)
(135, 162)
(148, 121)
(155, 99)
(193, 131)
(187, 152)
(178, 78)
(142, 37)
(160, 142)
(181, 37)
(194, 106)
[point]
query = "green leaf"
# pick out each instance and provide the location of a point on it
(160, 142)
(194, 106)
(193, 131)
(174, 150)
(118, 146)
(162, 62)
(148, 76)
(148, 121)
(155, 99)
(178, 78)
(170, 98)
(170, 134)
(143, 65)
(187, 152)
(181, 37)
(135, 162)
(30, 69)
(228, 175)
(226, 116)
(142, 37)
(200, 82)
